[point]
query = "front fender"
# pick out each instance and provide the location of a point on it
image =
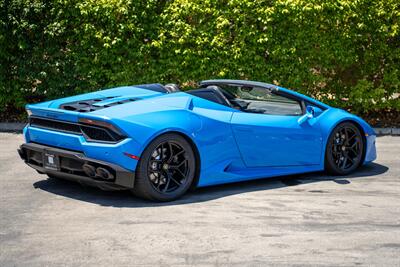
(333, 117)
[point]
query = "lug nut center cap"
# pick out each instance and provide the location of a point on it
(165, 166)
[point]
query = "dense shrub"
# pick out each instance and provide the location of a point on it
(344, 52)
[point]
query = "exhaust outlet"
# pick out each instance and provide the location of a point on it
(89, 170)
(104, 173)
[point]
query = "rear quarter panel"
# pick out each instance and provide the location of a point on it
(205, 124)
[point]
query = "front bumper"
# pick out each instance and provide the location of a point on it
(370, 150)
(70, 166)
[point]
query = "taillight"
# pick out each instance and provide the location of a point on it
(102, 124)
(100, 130)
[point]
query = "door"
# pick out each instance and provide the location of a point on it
(268, 132)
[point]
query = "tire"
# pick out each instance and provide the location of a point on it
(166, 169)
(344, 149)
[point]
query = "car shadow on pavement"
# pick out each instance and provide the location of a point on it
(126, 199)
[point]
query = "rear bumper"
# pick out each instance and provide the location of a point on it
(112, 153)
(70, 166)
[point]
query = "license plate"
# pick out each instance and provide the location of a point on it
(50, 161)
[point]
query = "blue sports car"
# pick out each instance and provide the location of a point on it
(159, 141)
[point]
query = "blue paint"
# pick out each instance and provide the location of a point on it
(233, 145)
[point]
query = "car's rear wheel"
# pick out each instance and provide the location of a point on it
(166, 169)
(344, 149)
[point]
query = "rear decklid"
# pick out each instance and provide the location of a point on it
(69, 108)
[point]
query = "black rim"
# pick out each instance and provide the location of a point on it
(346, 148)
(168, 167)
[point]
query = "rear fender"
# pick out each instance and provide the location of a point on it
(144, 128)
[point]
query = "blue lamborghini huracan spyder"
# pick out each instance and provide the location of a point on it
(159, 141)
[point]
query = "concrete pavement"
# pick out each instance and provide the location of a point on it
(310, 219)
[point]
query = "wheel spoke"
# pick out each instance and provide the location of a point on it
(344, 162)
(177, 166)
(158, 182)
(171, 152)
(175, 181)
(351, 137)
(349, 158)
(162, 151)
(176, 155)
(168, 175)
(346, 133)
(354, 149)
(179, 153)
(181, 173)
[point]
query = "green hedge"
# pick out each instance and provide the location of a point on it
(344, 52)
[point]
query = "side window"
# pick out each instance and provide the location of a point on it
(261, 100)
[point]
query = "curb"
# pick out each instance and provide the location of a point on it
(18, 127)
(11, 126)
(387, 131)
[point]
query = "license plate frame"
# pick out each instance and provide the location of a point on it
(51, 161)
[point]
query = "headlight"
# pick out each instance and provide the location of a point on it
(29, 112)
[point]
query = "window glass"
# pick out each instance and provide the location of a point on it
(261, 100)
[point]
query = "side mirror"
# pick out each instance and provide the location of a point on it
(310, 113)
(310, 110)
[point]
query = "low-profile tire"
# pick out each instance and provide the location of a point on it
(344, 149)
(166, 169)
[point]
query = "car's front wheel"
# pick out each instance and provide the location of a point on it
(344, 149)
(166, 168)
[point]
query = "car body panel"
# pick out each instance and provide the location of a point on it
(232, 145)
(277, 140)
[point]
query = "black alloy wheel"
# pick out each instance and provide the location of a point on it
(344, 149)
(166, 169)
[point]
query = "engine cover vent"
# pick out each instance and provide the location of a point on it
(93, 104)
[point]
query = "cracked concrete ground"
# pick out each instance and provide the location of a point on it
(310, 219)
